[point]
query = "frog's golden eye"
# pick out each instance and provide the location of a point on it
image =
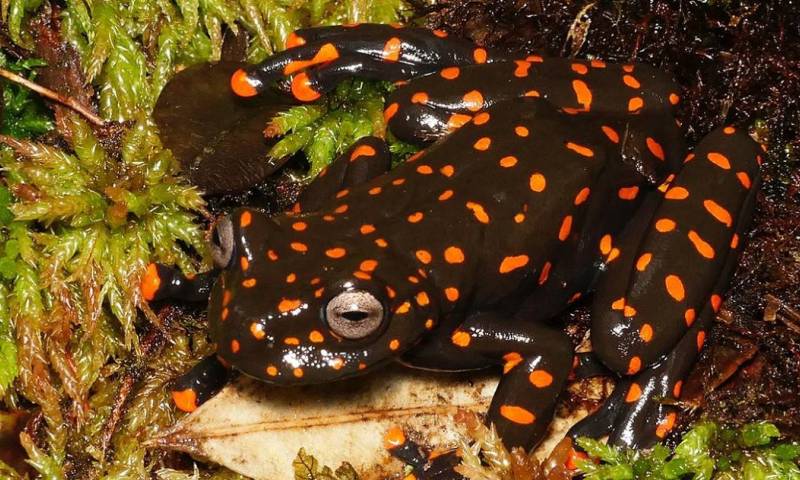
(222, 242)
(354, 314)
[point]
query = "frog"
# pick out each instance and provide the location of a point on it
(541, 182)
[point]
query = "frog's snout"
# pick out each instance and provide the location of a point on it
(222, 242)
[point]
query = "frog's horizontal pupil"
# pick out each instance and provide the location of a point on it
(355, 315)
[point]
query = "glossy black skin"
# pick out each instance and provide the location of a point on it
(499, 317)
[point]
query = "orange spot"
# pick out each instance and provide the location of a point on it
(337, 252)
(298, 372)
(613, 255)
(618, 304)
(665, 225)
(634, 365)
(596, 63)
(226, 298)
(610, 133)
(540, 378)
(185, 400)
(676, 390)
(362, 275)
(257, 330)
(655, 148)
(457, 120)
(390, 111)
(362, 151)
(299, 226)
(728, 130)
(341, 208)
(440, 33)
(508, 162)
(374, 190)
(522, 68)
(398, 181)
(450, 73)
(302, 90)
(716, 302)
(580, 149)
(416, 217)
(404, 307)
(689, 316)
(545, 273)
(454, 255)
(519, 218)
(337, 363)
(224, 314)
(479, 54)
(744, 179)
(643, 261)
(447, 170)
(272, 371)
(473, 100)
(703, 248)
(512, 263)
(325, 54)
(445, 195)
(534, 59)
(646, 332)
(675, 288)
(366, 229)
(719, 160)
(701, 339)
(628, 193)
(294, 40)
(393, 438)
(677, 193)
(461, 338)
(538, 182)
(674, 98)
(582, 196)
(287, 305)
(245, 219)
(381, 243)
(241, 86)
(394, 344)
(478, 211)
(291, 341)
(151, 282)
(422, 299)
(521, 131)
(390, 292)
(605, 244)
(668, 424)
(631, 81)
(634, 393)
(483, 144)
(511, 360)
(429, 323)
(719, 212)
(579, 68)
(635, 104)
(583, 94)
(420, 98)
(517, 415)
(481, 118)
(249, 283)
(391, 49)
(451, 293)
(424, 256)
(316, 337)
(566, 227)
(629, 311)
(734, 241)
(244, 263)
(533, 93)
(368, 265)
(235, 346)
(298, 247)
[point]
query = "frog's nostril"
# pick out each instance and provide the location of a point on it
(222, 242)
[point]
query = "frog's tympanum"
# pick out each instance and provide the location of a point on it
(542, 179)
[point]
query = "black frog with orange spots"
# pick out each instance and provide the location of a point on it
(543, 179)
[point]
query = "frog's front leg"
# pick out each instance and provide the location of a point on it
(320, 58)
(202, 382)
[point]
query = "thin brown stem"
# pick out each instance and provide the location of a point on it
(55, 96)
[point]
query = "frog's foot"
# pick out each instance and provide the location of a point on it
(319, 58)
(161, 283)
(436, 465)
(196, 386)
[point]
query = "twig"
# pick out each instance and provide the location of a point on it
(55, 96)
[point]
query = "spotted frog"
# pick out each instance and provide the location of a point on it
(540, 180)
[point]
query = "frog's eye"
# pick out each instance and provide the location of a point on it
(222, 242)
(354, 314)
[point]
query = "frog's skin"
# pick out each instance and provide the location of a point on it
(548, 178)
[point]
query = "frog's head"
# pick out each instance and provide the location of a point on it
(304, 300)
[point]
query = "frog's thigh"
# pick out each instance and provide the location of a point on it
(536, 360)
(653, 293)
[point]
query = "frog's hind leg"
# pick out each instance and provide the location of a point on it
(194, 387)
(366, 159)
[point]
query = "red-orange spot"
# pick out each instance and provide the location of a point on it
(719, 160)
(618, 304)
(734, 241)
(291, 341)
(294, 40)
(422, 299)
(582, 196)
(481, 118)
(540, 378)
(185, 400)
(424, 256)
(416, 217)
(245, 219)
(391, 49)
(454, 255)
(676, 390)
(298, 372)
(478, 211)
(606, 244)
(580, 149)
(646, 333)
(257, 331)
(473, 100)
(241, 86)
(366, 229)
(635, 104)
(744, 179)
(336, 253)
(631, 81)
(703, 248)
(610, 133)
(675, 288)
(445, 195)
(634, 393)
(483, 143)
(545, 273)
(583, 94)
(689, 316)
(511, 360)
(272, 371)
(643, 261)
(719, 212)
(629, 311)
(249, 283)
(537, 182)
(368, 265)
(450, 73)
(394, 438)
(728, 130)
(420, 98)
(457, 120)
(668, 424)
(665, 225)
(362, 151)
(613, 255)
(674, 98)
(287, 305)
(522, 68)
(224, 314)
(655, 148)
(517, 415)
(452, 293)
(151, 282)
(235, 346)
(390, 111)
(521, 131)
(701, 339)
(508, 162)
(447, 170)
(326, 53)
(479, 54)
(597, 63)
(677, 193)
(512, 263)
(381, 243)
(628, 193)
(394, 344)
(461, 338)
(716, 302)
(579, 68)
(302, 89)
(566, 227)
